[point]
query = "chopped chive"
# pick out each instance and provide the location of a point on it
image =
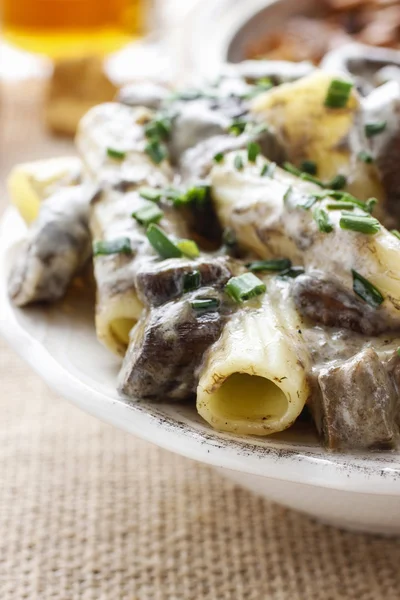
(117, 246)
(322, 219)
(198, 194)
(337, 183)
(372, 129)
(238, 162)
(396, 233)
(338, 94)
(219, 157)
(307, 202)
(279, 264)
(361, 223)
(309, 166)
(191, 281)
(253, 150)
(366, 290)
(292, 272)
(116, 154)
(148, 214)
(237, 127)
(366, 157)
(308, 177)
(149, 193)
(162, 243)
(268, 170)
(340, 205)
(156, 151)
(370, 203)
(291, 169)
(158, 128)
(287, 195)
(205, 304)
(189, 248)
(244, 287)
(261, 85)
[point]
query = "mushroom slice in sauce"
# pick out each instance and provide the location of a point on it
(357, 404)
(57, 247)
(144, 93)
(167, 346)
(323, 299)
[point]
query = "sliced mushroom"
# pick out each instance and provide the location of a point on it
(357, 404)
(146, 93)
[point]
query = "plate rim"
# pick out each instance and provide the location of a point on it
(375, 474)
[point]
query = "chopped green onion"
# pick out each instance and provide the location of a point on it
(293, 272)
(219, 157)
(149, 193)
(322, 219)
(117, 246)
(279, 264)
(337, 183)
(306, 202)
(366, 290)
(361, 223)
(238, 162)
(372, 129)
(162, 243)
(205, 304)
(244, 287)
(253, 150)
(148, 214)
(291, 169)
(156, 151)
(261, 85)
(268, 170)
(370, 203)
(191, 281)
(286, 195)
(116, 154)
(198, 194)
(339, 205)
(158, 128)
(309, 166)
(338, 94)
(366, 157)
(189, 248)
(396, 233)
(237, 127)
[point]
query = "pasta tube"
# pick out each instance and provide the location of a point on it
(254, 377)
(30, 183)
(270, 216)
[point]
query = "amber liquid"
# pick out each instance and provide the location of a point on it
(61, 28)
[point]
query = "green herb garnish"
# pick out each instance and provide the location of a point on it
(309, 166)
(149, 193)
(365, 157)
(396, 233)
(191, 281)
(366, 290)
(238, 162)
(268, 170)
(156, 151)
(279, 264)
(205, 304)
(189, 248)
(293, 272)
(148, 214)
(339, 205)
(158, 128)
(337, 183)
(372, 129)
(118, 246)
(237, 127)
(116, 154)
(338, 94)
(162, 243)
(322, 219)
(219, 157)
(244, 287)
(253, 150)
(361, 223)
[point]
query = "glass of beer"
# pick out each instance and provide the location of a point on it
(64, 28)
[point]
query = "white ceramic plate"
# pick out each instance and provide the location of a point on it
(59, 343)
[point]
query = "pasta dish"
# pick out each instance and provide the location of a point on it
(244, 243)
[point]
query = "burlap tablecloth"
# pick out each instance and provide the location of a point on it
(90, 513)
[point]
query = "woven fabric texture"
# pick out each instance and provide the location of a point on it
(90, 513)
